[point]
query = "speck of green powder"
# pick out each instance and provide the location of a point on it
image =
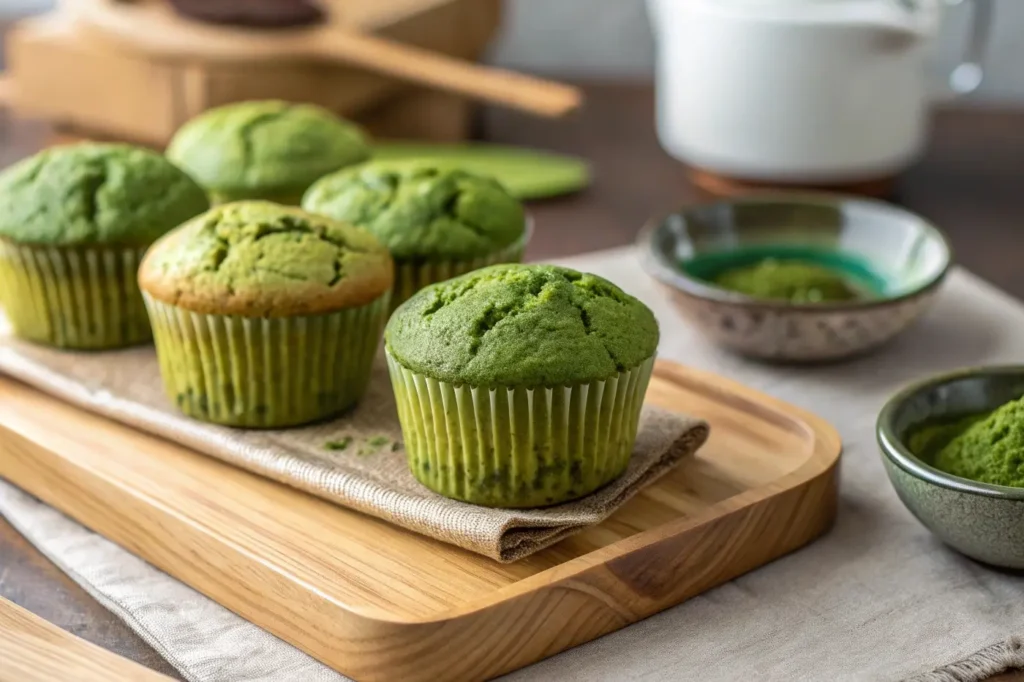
(787, 280)
(339, 444)
(370, 446)
(373, 445)
(991, 450)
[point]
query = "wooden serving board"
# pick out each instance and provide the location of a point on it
(32, 650)
(380, 603)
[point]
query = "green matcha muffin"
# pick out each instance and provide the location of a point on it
(74, 224)
(520, 385)
(438, 222)
(264, 315)
(269, 150)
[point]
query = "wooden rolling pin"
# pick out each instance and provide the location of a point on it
(153, 28)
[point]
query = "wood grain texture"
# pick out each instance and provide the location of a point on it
(32, 650)
(153, 29)
(724, 186)
(29, 580)
(377, 602)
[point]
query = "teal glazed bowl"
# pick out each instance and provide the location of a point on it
(980, 520)
(896, 258)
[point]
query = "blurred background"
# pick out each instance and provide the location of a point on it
(846, 95)
(611, 39)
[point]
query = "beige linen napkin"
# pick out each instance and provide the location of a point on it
(356, 460)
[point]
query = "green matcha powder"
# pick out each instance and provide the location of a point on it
(787, 280)
(988, 449)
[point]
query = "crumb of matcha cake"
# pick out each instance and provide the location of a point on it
(339, 444)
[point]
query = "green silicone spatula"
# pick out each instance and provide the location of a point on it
(526, 173)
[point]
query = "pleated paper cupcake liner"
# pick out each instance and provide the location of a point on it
(411, 276)
(78, 298)
(265, 372)
(518, 447)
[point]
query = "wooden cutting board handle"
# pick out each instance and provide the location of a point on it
(33, 650)
(151, 28)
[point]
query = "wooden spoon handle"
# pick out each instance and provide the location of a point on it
(149, 28)
(545, 98)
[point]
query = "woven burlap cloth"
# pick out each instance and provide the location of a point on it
(356, 460)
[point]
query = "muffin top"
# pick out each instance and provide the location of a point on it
(422, 212)
(254, 148)
(522, 325)
(259, 259)
(95, 194)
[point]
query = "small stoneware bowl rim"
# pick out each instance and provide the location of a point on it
(897, 453)
(658, 267)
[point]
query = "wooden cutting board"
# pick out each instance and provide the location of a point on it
(380, 603)
(32, 650)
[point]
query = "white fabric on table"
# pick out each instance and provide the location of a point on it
(878, 598)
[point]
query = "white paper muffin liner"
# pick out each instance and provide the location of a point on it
(518, 447)
(265, 372)
(73, 297)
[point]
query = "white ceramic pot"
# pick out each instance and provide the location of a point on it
(822, 91)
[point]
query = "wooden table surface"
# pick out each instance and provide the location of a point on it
(971, 184)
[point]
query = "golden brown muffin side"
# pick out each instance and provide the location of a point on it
(259, 259)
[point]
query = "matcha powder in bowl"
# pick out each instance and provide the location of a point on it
(990, 450)
(520, 385)
(788, 280)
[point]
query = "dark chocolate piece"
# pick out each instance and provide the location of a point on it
(252, 13)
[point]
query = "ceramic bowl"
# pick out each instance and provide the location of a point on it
(983, 521)
(900, 256)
